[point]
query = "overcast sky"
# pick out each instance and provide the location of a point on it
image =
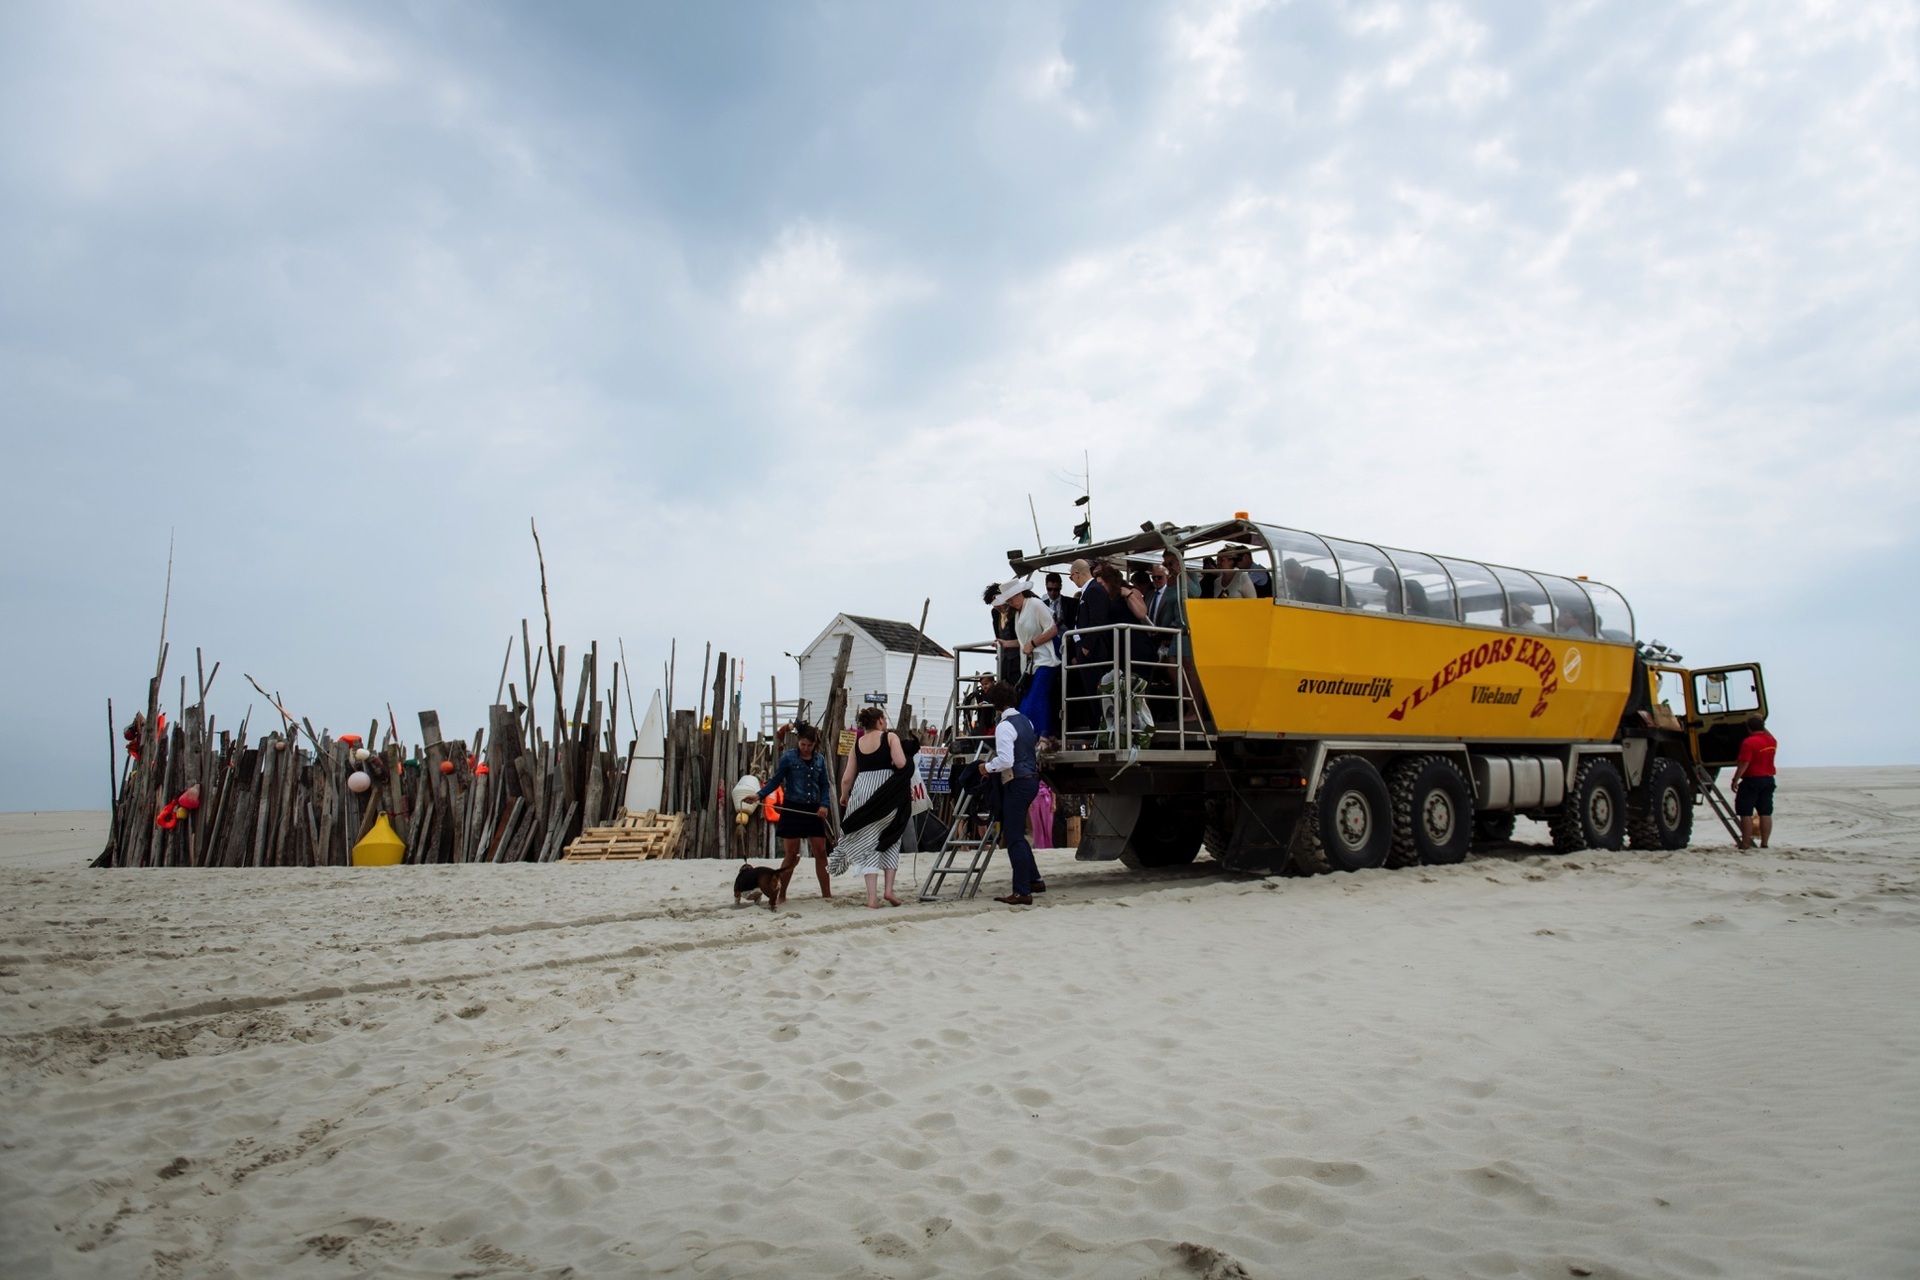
(768, 311)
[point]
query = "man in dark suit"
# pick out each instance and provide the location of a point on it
(1089, 655)
(1167, 607)
(1065, 608)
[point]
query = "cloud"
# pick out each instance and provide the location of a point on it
(808, 311)
(767, 314)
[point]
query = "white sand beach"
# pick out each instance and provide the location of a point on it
(1610, 1064)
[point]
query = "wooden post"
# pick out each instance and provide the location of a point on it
(906, 708)
(831, 725)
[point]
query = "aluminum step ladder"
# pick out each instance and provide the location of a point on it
(1717, 801)
(947, 860)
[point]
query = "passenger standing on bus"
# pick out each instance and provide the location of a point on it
(1016, 758)
(1139, 602)
(1167, 609)
(1006, 644)
(1091, 652)
(1063, 608)
(1035, 631)
(1753, 784)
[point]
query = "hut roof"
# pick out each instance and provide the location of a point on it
(899, 637)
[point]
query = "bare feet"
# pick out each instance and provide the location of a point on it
(893, 901)
(873, 906)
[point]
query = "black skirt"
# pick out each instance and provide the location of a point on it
(801, 824)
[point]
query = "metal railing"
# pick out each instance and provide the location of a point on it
(1120, 702)
(1127, 702)
(970, 721)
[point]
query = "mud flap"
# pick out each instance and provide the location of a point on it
(1263, 829)
(1109, 825)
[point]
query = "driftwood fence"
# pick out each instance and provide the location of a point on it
(189, 794)
(192, 795)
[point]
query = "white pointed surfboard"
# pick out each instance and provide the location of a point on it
(647, 774)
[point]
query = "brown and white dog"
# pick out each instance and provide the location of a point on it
(754, 883)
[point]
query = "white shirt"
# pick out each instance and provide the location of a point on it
(1004, 736)
(1241, 588)
(1034, 621)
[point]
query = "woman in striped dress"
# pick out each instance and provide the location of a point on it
(870, 837)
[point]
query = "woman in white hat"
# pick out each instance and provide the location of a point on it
(1034, 629)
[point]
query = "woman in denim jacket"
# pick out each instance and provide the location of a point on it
(801, 778)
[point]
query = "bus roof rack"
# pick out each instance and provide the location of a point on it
(1152, 538)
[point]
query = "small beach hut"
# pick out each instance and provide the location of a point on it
(882, 652)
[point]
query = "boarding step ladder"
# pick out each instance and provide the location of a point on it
(947, 860)
(1717, 801)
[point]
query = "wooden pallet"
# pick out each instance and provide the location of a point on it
(633, 837)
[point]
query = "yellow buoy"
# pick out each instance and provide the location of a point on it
(380, 847)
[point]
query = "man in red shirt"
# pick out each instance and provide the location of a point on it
(1753, 784)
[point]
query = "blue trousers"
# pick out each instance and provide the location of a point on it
(1016, 797)
(1042, 703)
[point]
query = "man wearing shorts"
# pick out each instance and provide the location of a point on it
(1753, 784)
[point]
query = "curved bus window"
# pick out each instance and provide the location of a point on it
(1612, 618)
(1425, 589)
(1572, 611)
(1477, 593)
(1371, 582)
(1308, 572)
(1528, 608)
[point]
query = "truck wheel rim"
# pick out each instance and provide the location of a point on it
(1353, 820)
(1670, 807)
(1438, 817)
(1600, 809)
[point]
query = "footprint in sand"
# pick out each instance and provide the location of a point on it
(1332, 1173)
(1502, 1181)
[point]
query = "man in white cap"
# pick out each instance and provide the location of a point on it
(1034, 630)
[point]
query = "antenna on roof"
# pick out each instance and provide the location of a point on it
(1083, 532)
(1039, 542)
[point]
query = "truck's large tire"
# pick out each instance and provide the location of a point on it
(1432, 812)
(1662, 815)
(1595, 814)
(1167, 834)
(1348, 825)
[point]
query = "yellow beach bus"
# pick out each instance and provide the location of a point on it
(1312, 703)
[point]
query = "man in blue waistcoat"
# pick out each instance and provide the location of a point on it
(1016, 759)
